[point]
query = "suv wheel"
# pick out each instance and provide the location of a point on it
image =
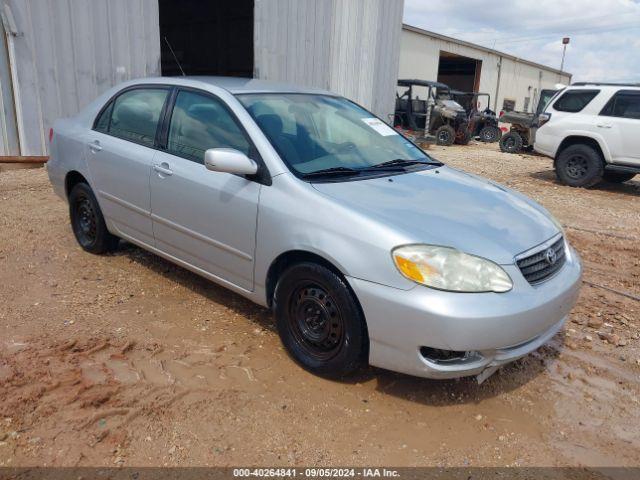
(617, 177)
(319, 320)
(87, 221)
(445, 135)
(579, 166)
(511, 142)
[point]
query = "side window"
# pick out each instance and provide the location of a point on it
(200, 122)
(574, 101)
(135, 115)
(624, 104)
(102, 122)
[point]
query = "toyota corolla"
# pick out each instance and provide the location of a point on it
(366, 249)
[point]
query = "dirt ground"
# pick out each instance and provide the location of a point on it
(128, 360)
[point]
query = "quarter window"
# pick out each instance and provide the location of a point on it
(134, 115)
(574, 101)
(200, 122)
(624, 104)
(102, 122)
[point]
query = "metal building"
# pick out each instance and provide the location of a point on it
(57, 55)
(512, 82)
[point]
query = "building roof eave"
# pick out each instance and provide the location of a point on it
(464, 43)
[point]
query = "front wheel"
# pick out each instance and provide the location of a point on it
(319, 320)
(87, 221)
(445, 135)
(579, 166)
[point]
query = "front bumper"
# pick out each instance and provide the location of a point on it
(499, 327)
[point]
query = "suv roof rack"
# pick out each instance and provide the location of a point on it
(605, 84)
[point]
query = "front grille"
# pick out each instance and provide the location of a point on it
(542, 264)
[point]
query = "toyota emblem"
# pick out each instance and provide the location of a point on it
(550, 256)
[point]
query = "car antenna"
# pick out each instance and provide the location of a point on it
(174, 57)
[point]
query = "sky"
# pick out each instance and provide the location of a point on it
(605, 34)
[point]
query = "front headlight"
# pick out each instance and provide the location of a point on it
(446, 268)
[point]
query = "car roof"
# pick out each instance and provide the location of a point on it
(234, 85)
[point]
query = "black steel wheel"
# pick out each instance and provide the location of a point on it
(319, 320)
(87, 221)
(445, 135)
(579, 166)
(490, 134)
(511, 142)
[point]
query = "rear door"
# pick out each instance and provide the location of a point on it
(620, 122)
(121, 148)
(206, 219)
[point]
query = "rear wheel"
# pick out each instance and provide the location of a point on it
(617, 177)
(579, 166)
(511, 142)
(490, 134)
(319, 320)
(87, 221)
(445, 135)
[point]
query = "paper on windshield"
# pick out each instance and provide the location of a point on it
(379, 126)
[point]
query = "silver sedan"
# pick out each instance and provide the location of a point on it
(365, 248)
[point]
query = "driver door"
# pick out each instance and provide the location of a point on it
(206, 219)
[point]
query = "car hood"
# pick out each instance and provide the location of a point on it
(444, 206)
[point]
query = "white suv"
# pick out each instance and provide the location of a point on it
(592, 131)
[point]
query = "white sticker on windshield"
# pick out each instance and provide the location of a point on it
(379, 126)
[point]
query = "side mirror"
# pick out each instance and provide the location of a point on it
(229, 160)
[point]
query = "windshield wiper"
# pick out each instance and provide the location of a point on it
(332, 172)
(400, 162)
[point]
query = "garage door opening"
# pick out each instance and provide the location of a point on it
(208, 38)
(460, 73)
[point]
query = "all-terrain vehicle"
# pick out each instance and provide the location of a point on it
(434, 119)
(522, 133)
(483, 124)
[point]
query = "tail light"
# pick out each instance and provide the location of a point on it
(501, 113)
(50, 135)
(543, 118)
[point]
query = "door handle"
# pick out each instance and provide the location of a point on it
(164, 169)
(95, 146)
(604, 125)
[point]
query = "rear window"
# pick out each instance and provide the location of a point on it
(574, 100)
(624, 104)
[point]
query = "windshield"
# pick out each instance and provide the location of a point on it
(314, 133)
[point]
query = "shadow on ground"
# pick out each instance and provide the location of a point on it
(425, 391)
(632, 187)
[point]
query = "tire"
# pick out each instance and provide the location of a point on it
(445, 135)
(579, 166)
(490, 134)
(88, 223)
(319, 321)
(511, 142)
(617, 177)
(463, 137)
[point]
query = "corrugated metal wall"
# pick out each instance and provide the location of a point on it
(349, 47)
(69, 51)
